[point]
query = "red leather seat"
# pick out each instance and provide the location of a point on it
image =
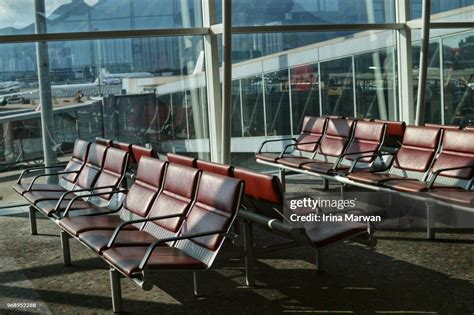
(138, 152)
(311, 133)
(412, 160)
(128, 259)
(75, 164)
(332, 145)
(98, 239)
(216, 168)
(181, 159)
(75, 225)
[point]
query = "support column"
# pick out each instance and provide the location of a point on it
(423, 68)
(226, 80)
(214, 95)
(47, 119)
(405, 65)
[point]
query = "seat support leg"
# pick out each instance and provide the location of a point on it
(116, 291)
(249, 253)
(282, 179)
(430, 223)
(319, 259)
(197, 291)
(33, 227)
(325, 184)
(65, 247)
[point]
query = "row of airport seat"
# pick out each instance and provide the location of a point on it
(436, 162)
(169, 218)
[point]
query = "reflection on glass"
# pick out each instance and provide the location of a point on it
(66, 16)
(304, 94)
(294, 12)
(433, 86)
(458, 61)
(236, 110)
(252, 107)
(277, 103)
(337, 87)
(376, 96)
(438, 6)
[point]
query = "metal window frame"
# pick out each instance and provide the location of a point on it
(219, 105)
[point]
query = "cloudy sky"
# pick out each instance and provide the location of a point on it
(20, 13)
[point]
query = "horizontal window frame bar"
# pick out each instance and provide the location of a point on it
(121, 34)
(316, 28)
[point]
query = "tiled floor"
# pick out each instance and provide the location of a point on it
(404, 274)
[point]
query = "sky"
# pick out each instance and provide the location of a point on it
(20, 13)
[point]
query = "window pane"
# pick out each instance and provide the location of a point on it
(337, 88)
(291, 12)
(458, 61)
(236, 110)
(64, 16)
(277, 103)
(433, 87)
(376, 85)
(460, 10)
(304, 94)
(252, 107)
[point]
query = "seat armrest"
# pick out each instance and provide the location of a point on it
(274, 140)
(152, 247)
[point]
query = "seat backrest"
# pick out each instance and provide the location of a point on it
(103, 141)
(417, 152)
(94, 163)
(217, 203)
(216, 168)
(394, 134)
(335, 140)
(113, 172)
(469, 128)
(181, 159)
(142, 193)
(138, 152)
(176, 197)
(126, 147)
(312, 130)
(77, 161)
(263, 193)
(368, 136)
(445, 127)
(457, 151)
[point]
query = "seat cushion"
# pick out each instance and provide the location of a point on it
(406, 185)
(36, 196)
(326, 233)
(318, 167)
(98, 239)
(76, 225)
(295, 162)
(127, 259)
(453, 194)
(22, 188)
(47, 206)
(270, 157)
(372, 178)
